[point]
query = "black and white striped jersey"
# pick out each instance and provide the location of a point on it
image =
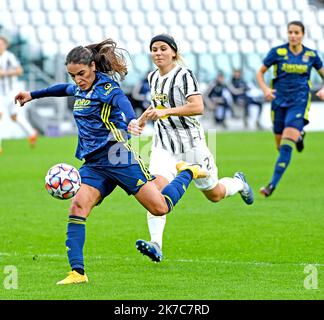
(177, 134)
(8, 61)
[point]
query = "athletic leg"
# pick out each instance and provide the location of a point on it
(81, 206)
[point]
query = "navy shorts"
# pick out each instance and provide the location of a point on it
(115, 166)
(283, 117)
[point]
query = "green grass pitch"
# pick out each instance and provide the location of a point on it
(211, 251)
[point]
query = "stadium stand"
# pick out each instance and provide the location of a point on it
(212, 34)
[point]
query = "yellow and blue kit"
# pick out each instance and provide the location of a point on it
(102, 114)
(292, 84)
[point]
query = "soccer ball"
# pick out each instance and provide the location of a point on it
(62, 181)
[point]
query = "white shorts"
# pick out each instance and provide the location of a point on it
(163, 163)
(7, 104)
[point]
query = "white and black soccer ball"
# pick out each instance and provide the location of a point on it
(62, 181)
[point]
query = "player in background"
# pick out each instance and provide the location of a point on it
(178, 136)
(103, 114)
(10, 69)
(289, 95)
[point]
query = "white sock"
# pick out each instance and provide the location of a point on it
(26, 126)
(156, 227)
(232, 185)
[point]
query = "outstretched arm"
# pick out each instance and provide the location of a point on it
(56, 90)
(193, 107)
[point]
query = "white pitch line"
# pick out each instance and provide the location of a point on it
(214, 261)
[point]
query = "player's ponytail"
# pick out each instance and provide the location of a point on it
(108, 59)
(105, 55)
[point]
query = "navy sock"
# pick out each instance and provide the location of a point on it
(75, 242)
(283, 160)
(176, 188)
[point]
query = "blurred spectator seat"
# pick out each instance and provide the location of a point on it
(121, 18)
(278, 18)
(216, 18)
(195, 5)
(232, 18)
(201, 18)
(270, 32)
(293, 15)
(95, 34)
(246, 46)
(162, 5)
(137, 18)
(21, 18)
(65, 5)
(88, 18)
(104, 17)
(169, 18)
(263, 18)
(256, 5)
(131, 5)
(241, 5)
(45, 33)
(215, 46)
(255, 32)
(113, 5)
(248, 18)
(16, 5)
(71, 18)
(38, 18)
(185, 18)
(99, 5)
(153, 18)
(49, 5)
(54, 18)
(179, 5)
(226, 5)
(224, 32)
(239, 32)
(149, 5)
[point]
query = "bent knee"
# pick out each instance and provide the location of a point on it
(159, 210)
(215, 196)
(78, 209)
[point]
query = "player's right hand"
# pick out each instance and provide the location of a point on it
(22, 97)
(134, 128)
(269, 94)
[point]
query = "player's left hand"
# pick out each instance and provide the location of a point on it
(156, 114)
(320, 93)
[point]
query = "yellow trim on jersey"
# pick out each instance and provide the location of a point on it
(170, 201)
(105, 113)
(308, 106)
(141, 163)
(275, 70)
(272, 116)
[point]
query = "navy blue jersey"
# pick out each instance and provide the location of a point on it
(291, 73)
(99, 112)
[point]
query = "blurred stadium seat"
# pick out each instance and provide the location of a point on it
(208, 27)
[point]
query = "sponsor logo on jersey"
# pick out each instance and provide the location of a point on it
(294, 68)
(282, 52)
